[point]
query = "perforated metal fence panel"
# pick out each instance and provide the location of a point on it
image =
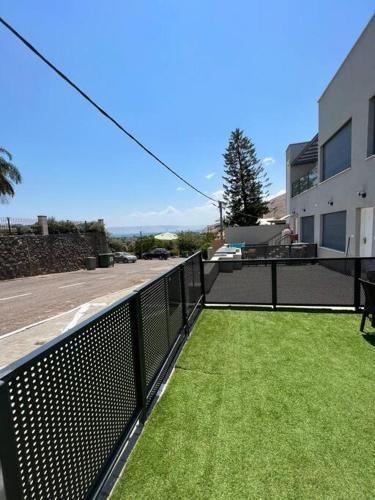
(155, 327)
(162, 321)
(67, 408)
(239, 282)
(193, 283)
(175, 305)
(288, 282)
(316, 283)
(70, 406)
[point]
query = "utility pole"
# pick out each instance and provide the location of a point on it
(221, 219)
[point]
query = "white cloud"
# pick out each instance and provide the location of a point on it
(218, 195)
(203, 214)
(282, 191)
(197, 215)
(209, 176)
(180, 188)
(268, 160)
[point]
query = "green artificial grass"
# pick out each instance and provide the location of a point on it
(262, 405)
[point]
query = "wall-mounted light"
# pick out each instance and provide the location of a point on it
(362, 194)
(330, 203)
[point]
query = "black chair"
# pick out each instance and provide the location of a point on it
(369, 308)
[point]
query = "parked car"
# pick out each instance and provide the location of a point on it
(124, 257)
(157, 253)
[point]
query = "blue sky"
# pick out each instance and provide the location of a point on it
(180, 75)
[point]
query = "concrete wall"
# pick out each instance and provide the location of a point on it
(252, 235)
(346, 97)
(30, 255)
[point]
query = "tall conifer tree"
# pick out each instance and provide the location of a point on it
(245, 182)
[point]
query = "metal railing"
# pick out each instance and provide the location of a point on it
(288, 282)
(277, 239)
(305, 182)
(68, 408)
(13, 225)
(282, 251)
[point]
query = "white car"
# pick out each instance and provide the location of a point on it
(124, 257)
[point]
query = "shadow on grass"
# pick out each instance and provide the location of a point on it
(370, 338)
(302, 309)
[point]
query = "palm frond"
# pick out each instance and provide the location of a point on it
(6, 187)
(9, 175)
(6, 153)
(8, 169)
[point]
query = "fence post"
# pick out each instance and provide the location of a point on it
(183, 299)
(9, 226)
(8, 452)
(201, 271)
(140, 368)
(357, 285)
(274, 283)
(43, 225)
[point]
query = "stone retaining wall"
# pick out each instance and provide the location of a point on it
(30, 255)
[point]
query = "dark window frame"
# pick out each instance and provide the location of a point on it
(371, 128)
(322, 150)
(338, 247)
(308, 218)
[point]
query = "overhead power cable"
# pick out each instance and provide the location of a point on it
(100, 109)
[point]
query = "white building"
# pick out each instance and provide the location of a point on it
(331, 179)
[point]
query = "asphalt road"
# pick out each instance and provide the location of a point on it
(24, 301)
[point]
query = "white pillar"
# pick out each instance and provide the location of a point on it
(43, 224)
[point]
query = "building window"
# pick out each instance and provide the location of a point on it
(307, 229)
(371, 128)
(337, 152)
(334, 230)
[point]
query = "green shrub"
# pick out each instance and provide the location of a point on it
(67, 226)
(116, 244)
(61, 226)
(95, 226)
(22, 229)
(174, 252)
(190, 241)
(144, 244)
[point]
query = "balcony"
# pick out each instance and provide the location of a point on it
(305, 182)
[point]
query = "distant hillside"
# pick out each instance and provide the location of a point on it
(135, 230)
(276, 207)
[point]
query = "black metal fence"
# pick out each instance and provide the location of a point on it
(299, 250)
(12, 225)
(67, 408)
(288, 282)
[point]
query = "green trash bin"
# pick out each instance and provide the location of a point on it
(90, 263)
(106, 260)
